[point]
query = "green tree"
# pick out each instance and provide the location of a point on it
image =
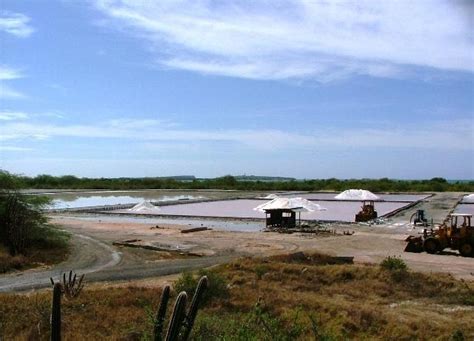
(21, 216)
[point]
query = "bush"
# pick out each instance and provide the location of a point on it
(261, 270)
(24, 230)
(186, 282)
(217, 285)
(8, 263)
(49, 237)
(458, 335)
(21, 219)
(256, 324)
(394, 264)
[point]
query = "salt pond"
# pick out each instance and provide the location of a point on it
(236, 208)
(102, 200)
(244, 208)
(465, 208)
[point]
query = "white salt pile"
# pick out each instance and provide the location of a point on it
(144, 206)
(356, 194)
(469, 199)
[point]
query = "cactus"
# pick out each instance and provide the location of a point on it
(160, 315)
(177, 318)
(71, 288)
(181, 322)
(56, 313)
(193, 309)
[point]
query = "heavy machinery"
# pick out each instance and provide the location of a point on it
(367, 212)
(419, 218)
(456, 233)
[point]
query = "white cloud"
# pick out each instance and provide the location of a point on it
(14, 149)
(16, 24)
(132, 123)
(7, 92)
(8, 74)
(452, 135)
(12, 116)
(300, 38)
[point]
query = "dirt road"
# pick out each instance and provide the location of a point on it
(87, 255)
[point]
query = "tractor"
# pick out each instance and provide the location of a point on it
(456, 233)
(367, 212)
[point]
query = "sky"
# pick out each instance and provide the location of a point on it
(306, 89)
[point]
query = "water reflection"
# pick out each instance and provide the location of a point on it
(101, 200)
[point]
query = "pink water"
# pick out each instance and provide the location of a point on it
(465, 208)
(243, 208)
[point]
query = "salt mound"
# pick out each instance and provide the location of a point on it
(356, 194)
(468, 199)
(144, 206)
(271, 196)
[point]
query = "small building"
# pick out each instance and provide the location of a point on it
(281, 212)
(280, 218)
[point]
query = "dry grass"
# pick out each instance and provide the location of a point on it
(298, 299)
(36, 256)
(356, 301)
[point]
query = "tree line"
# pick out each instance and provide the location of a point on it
(232, 183)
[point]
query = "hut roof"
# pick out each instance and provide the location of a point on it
(356, 194)
(293, 204)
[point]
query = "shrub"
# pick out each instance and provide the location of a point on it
(458, 335)
(256, 324)
(186, 282)
(8, 263)
(217, 285)
(261, 270)
(21, 218)
(394, 264)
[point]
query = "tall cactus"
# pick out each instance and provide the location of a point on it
(193, 309)
(160, 315)
(177, 318)
(56, 313)
(181, 322)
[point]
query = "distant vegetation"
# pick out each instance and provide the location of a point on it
(262, 178)
(243, 183)
(26, 238)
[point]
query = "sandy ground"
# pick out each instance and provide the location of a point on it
(94, 253)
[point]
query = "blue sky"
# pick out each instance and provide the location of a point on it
(288, 88)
